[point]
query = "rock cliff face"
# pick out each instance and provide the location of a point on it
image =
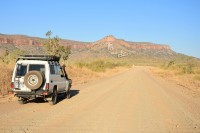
(25, 40)
(134, 45)
(19, 40)
(108, 46)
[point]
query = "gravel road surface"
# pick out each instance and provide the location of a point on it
(132, 101)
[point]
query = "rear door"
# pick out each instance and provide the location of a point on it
(21, 70)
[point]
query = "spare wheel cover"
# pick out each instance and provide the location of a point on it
(33, 80)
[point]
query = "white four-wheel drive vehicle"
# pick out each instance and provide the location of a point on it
(40, 76)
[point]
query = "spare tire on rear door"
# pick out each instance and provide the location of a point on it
(33, 80)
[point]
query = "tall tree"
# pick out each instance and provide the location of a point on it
(54, 47)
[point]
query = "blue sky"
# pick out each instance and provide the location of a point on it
(173, 22)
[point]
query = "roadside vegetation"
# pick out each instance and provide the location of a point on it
(101, 65)
(54, 47)
(7, 61)
(183, 71)
(79, 71)
(5, 78)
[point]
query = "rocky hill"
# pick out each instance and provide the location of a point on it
(122, 48)
(106, 47)
(19, 40)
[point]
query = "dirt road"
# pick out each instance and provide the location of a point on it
(132, 101)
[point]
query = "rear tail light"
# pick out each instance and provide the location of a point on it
(47, 86)
(45, 93)
(12, 85)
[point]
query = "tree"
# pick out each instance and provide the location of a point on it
(54, 47)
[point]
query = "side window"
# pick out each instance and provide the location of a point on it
(57, 70)
(52, 70)
(21, 70)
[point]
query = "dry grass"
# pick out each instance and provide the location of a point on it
(101, 65)
(81, 75)
(88, 70)
(185, 73)
(191, 81)
(5, 78)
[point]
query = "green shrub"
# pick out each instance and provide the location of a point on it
(188, 69)
(170, 63)
(101, 65)
(9, 57)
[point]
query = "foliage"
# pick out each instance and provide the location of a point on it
(10, 56)
(101, 65)
(54, 47)
(189, 67)
(5, 78)
(171, 63)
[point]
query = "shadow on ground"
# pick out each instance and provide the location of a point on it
(72, 94)
(61, 97)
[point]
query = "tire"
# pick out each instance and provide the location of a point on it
(22, 101)
(54, 97)
(70, 83)
(33, 80)
(68, 95)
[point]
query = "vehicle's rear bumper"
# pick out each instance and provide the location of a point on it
(32, 94)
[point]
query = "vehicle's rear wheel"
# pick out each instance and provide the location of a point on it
(22, 100)
(33, 80)
(54, 97)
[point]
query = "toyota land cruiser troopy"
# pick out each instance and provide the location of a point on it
(41, 76)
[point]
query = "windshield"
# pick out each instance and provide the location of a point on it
(21, 70)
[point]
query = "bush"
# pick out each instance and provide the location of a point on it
(170, 63)
(101, 65)
(188, 69)
(5, 79)
(9, 57)
(184, 68)
(54, 47)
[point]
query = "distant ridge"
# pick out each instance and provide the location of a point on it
(108, 46)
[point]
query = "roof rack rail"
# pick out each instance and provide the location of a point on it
(39, 57)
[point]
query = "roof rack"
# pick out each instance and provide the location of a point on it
(39, 57)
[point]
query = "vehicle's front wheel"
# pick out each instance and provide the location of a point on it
(67, 94)
(54, 97)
